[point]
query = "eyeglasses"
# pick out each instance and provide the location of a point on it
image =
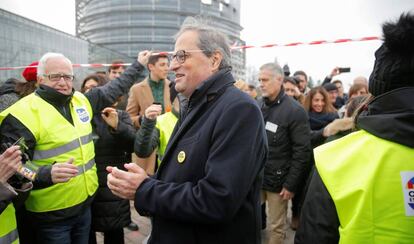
(57, 77)
(181, 55)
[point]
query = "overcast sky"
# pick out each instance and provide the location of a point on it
(271, 21)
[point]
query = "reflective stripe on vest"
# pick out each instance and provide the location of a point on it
(39, 154)
(10, 237)
(58, 140)
(83, 168)
(165, 124)
(363, 175)
(8, 231)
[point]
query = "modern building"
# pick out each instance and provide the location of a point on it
(23, 41)
(129, 26)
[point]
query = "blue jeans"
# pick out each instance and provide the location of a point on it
(72, 230)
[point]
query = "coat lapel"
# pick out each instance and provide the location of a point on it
(179, 130)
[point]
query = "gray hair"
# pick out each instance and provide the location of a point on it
(43, 60)
(209, 39)
(274, 68)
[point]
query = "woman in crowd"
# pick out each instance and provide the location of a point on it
(321, 113)
(114, 141)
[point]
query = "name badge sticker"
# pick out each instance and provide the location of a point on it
(271, 127)
(407, 181)
(83, 114)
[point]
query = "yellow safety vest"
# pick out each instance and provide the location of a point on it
(165, 124)
(8, 229)
(370, 181)
(57, 140)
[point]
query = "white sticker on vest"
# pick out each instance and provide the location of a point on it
(271, 127)
(407, 180)
(83, 114)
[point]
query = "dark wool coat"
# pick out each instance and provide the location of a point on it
(207, 187)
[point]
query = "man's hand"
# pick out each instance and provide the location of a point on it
(10, 161)
(338, 125)
(63, 172)
(334, 72)
(153, 111)
(143, 57)
(286, 195)
(297, 92)
(110, 116)
(124, 184)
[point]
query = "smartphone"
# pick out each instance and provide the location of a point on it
(20, 142)
(344, 69)
(27, 169)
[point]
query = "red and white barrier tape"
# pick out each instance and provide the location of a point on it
(73, 65)
(292, 44)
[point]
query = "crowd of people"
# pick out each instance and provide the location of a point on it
(209, 159)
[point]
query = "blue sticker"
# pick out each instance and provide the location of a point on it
(83, 115)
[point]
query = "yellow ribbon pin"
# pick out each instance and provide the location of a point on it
(181, 157)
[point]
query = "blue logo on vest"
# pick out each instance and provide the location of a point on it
(82, 114)
(407, 183)
(410, 187)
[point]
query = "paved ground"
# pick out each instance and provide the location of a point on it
(137, 237)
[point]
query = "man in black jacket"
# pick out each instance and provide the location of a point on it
(288, 136)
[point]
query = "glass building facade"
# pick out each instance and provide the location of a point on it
(129, 26)
(23, 41)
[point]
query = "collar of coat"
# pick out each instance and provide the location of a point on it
(277, 100)
(212, 85)
(391, 116)
(54, 97)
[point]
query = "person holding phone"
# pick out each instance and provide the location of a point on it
(342, 97)
(10, 162)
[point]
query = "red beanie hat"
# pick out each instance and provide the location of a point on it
(30, 73)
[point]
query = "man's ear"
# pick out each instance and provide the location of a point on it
(150, 67)
(216, 58)
(39, 80)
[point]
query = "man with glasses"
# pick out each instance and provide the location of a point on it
(207, 187)
(55, 122)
